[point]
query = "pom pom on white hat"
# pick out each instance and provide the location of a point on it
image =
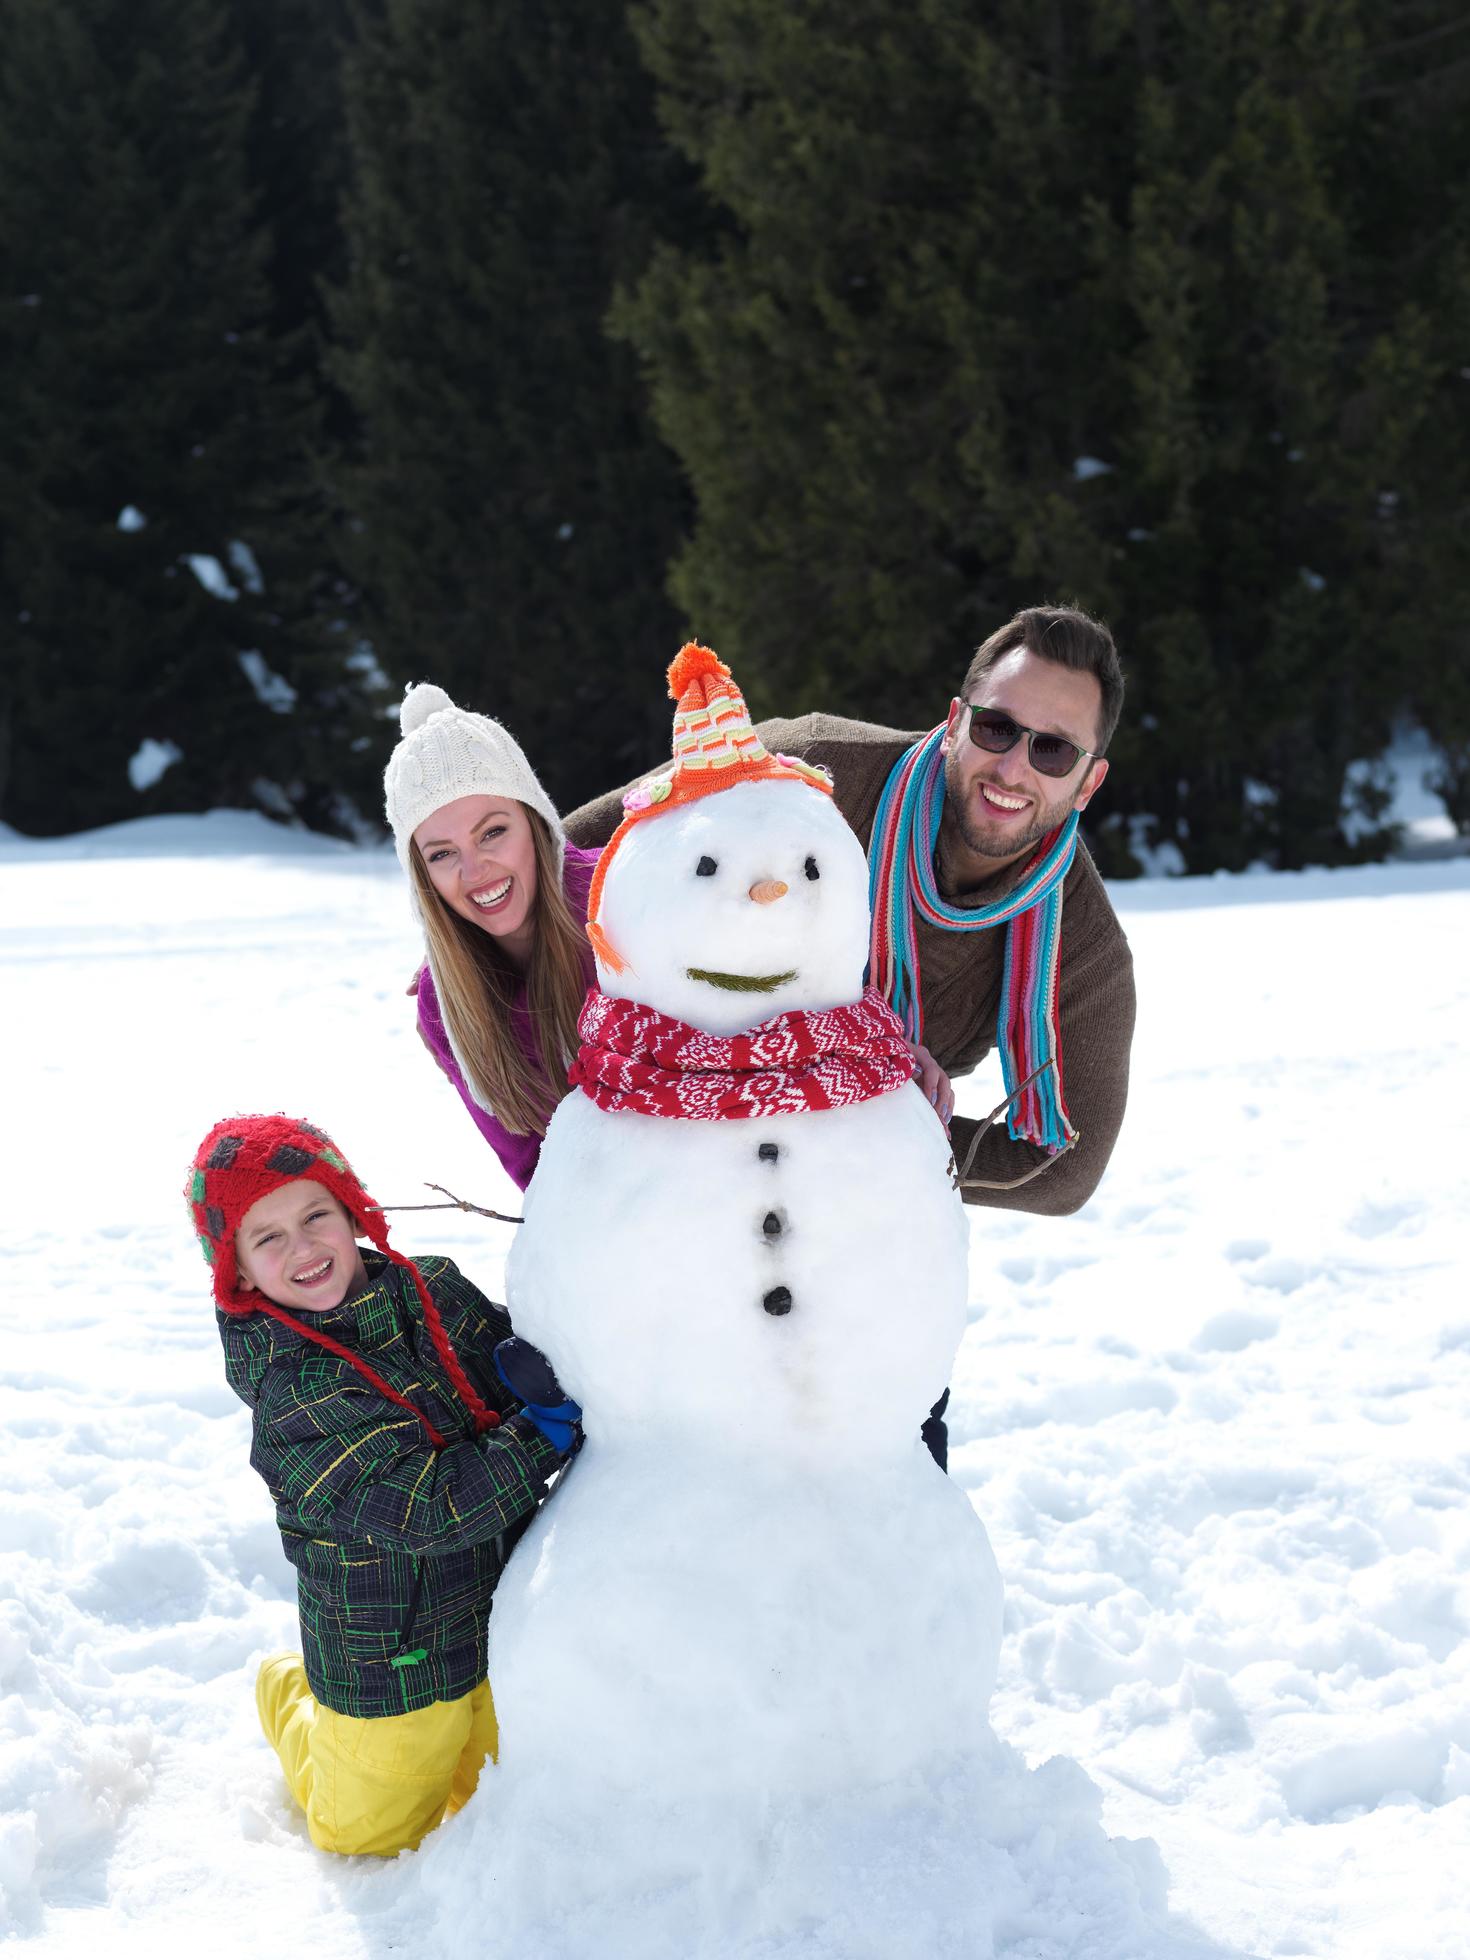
(447, 752)
(418, 704)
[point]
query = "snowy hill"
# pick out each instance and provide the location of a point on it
(1215, 1424)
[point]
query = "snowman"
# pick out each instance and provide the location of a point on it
(743, 1659)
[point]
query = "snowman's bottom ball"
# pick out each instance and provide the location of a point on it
(717, 1620)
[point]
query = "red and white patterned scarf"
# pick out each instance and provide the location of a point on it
(633, 1057)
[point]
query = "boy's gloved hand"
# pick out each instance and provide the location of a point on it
(531, 1378)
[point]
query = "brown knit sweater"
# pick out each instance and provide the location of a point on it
(961, 974)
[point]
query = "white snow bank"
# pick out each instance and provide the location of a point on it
(215, 833)
(1412, 764)
(1215, 1424)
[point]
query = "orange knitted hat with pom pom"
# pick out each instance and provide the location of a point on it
(715, 747)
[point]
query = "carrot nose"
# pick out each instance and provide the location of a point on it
(767, 890)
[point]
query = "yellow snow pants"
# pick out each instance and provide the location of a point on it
(374, 1785)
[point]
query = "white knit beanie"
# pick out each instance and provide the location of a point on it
(446, 752)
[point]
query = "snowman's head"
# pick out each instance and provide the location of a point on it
(737, 906)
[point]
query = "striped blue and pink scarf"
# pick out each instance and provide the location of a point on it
(903, 890)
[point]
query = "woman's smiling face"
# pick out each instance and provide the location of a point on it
(481, 859)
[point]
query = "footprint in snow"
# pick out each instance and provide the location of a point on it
(1377, 1221)
(1229, 1332)
(1240, 1250)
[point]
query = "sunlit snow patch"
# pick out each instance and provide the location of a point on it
(272, 690)
(210, 574)
(150, 761)
(363, 660)
(246, 566)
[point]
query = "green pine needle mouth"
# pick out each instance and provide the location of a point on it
(742, 983)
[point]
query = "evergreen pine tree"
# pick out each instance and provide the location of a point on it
(512, 511)
(1157, 309)
(297, 146)
(1293, 329)
(295, 51)
(882, 370)
(159, 649)
(1420, 60)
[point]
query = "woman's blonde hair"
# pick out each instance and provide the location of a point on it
(477, 984)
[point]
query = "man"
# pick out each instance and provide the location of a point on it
(1022, 750)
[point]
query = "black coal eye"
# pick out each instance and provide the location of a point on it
(811, 868)
(706, 868)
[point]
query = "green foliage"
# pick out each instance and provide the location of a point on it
(941, 307)
(512, 510)
(1162, 309)
(293, 50)
(141, 378)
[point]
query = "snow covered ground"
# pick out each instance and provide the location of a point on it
(1216, 1425)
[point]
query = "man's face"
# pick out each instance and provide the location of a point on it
(1000, 805)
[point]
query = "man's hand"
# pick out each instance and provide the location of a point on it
(932, 1079)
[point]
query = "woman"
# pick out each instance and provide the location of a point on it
(502, 897)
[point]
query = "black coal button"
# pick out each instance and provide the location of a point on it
(771, 1225)
(769, 1152)
(778, 1300)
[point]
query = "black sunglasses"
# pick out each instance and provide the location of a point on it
(1049, 755)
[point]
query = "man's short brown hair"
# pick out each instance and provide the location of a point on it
(1072, 639)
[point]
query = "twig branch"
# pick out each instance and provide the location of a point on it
(1008, 1183)
(454, 1204)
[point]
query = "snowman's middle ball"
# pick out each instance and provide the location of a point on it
(692, 905)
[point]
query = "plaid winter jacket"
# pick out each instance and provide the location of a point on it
(397, 1545)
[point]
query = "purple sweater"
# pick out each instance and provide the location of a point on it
(518, 1154)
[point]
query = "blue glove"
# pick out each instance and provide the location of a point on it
(532, 1380)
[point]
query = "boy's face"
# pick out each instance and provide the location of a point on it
(296, 1246)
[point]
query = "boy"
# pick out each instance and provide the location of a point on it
(402, 1466)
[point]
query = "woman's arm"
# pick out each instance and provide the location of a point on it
(517, 1154)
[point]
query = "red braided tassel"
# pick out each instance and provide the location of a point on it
(485, 1417)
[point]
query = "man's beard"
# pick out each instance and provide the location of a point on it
(992, 838)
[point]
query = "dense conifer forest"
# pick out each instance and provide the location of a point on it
(352, 342)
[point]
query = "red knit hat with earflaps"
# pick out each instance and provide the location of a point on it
(244, 1159)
